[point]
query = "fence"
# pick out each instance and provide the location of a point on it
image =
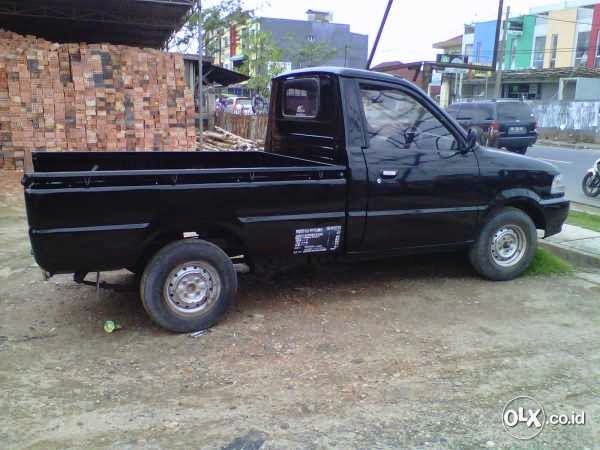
(250, 127)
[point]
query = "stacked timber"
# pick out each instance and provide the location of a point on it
(221, 140)
(90, 97)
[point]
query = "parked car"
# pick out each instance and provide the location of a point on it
(508, 124)
(239, 105)
(359, 164)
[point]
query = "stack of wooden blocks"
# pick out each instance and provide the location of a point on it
(82, 97)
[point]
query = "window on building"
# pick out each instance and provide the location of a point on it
(583, 46)
(301, 98)
(245, 38)
(598, 51)
(310, 38)
(478, 52)
(513, 53)
(469, 51)
(553, 50)
(538, 54)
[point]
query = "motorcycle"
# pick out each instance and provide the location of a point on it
(591, 181)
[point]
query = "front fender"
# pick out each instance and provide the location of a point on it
(524, 199)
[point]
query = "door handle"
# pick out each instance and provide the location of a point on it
(389, 173)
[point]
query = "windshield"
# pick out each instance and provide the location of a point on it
(515, 111)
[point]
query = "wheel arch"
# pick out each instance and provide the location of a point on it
(223, 236)
(523, 199)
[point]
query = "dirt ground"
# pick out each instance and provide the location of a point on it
(403, 353)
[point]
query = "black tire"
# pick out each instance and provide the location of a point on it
(212, 269)
(485, 259)
(587, 189)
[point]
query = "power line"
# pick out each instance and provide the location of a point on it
(562, 49)
(563, 20)
(489, 53)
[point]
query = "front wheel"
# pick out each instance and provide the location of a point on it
(188, 285)
(591, 185)
(506, 245)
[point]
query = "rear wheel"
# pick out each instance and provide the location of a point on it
(506, 245)
(188, 286)
(591, 185)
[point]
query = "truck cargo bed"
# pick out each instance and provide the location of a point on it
(97, 211)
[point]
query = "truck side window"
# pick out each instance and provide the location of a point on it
(398, 119)
(301, 98)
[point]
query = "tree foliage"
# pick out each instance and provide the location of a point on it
(214, 20)
(305, 53)
(263, 59)
(263, 56)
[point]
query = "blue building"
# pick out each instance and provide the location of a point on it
(483, 42)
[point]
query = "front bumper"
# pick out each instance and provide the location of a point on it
(555, 212)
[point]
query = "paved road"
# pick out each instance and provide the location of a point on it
(573, 164)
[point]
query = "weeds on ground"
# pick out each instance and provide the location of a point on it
(584, 220)
(545, 263)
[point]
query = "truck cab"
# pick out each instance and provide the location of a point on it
(356, 164)
(416, 181)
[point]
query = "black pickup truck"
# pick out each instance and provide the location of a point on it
(358, 164)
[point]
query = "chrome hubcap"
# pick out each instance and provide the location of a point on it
(192, 287)
(509, 244)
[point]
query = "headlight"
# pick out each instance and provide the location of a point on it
(557, 185)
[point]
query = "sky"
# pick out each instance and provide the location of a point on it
(412, 27)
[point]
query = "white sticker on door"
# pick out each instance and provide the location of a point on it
(320, 239)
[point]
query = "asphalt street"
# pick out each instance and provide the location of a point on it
(573, 164)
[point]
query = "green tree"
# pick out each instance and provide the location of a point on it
(263, 58)
(215, 20)
(305, 53)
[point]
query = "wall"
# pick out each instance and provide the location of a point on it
(549, 91)
(588, 89)
(485, 34)
(351, 47)
(564, 119)
(594, 38)
(563, 23)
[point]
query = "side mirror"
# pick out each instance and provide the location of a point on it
(471, 141)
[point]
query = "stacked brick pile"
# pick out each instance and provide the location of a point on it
(90, 97)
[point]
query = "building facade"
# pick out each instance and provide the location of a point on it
(304, 43)
(549, 37)
(520, 34)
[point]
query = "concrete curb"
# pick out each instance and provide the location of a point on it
(577, 146)
(575, 257)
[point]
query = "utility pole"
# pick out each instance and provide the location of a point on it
(200, 74)
(385, 16)
(497, 38)
(500, 57)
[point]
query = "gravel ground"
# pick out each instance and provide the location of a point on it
(403, 353)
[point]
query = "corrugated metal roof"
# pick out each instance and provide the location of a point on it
(141, 23)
